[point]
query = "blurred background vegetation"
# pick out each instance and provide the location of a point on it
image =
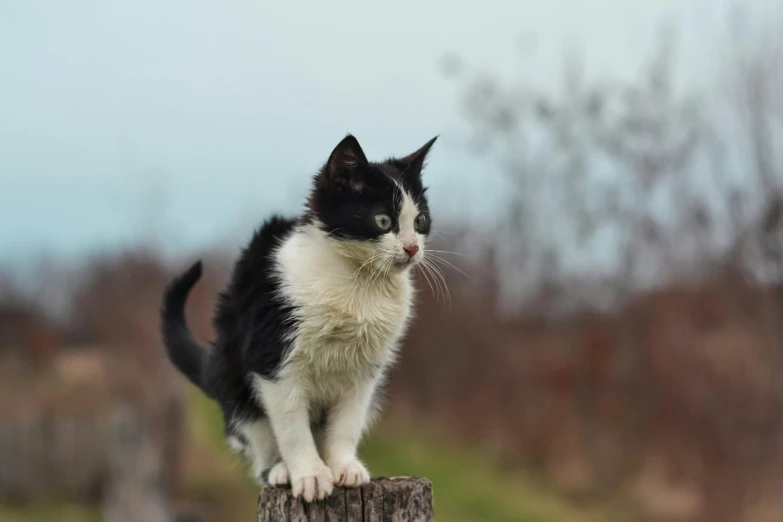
(605, 344)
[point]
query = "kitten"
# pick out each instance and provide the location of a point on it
(311, 321)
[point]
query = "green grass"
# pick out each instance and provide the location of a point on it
(467, 486)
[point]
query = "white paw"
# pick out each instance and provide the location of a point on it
(277, 475)
(350, 474)
(312, 483)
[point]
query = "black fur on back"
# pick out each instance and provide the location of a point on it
(251, 322)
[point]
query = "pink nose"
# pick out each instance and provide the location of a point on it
(411, 250)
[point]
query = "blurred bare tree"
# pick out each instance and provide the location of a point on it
(663, 210)
(754, 81)
(599, 165)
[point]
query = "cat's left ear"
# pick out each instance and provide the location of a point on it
(413, 163)
(346, 163)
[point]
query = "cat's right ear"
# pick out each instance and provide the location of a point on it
(346, 163)
(412, 164)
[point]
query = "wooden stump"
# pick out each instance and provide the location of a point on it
(400, 499)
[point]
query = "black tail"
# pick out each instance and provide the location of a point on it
(184, 351)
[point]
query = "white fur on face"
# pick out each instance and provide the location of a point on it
(408, 235)
(391, 247)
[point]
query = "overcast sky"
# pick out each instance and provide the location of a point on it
(201, 117)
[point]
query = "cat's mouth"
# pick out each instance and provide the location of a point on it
(404, 262)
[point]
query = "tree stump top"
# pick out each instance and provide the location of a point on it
(399, 499)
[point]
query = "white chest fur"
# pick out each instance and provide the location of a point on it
(349, 322)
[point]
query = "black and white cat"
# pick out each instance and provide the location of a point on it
(311, 321)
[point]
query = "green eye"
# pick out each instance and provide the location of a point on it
(384, 221)
(420, 222)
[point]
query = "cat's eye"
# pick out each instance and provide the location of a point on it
(420, 222)
(384, 221)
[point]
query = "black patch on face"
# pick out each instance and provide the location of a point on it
(350, 191)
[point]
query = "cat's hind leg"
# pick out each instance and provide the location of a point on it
(277, 475)
(262, 451)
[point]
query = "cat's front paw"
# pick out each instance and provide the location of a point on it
(312, 483)
(277, 475)
(350, 473)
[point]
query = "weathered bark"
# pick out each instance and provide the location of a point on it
(399, 499)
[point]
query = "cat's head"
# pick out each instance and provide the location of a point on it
(377, 213)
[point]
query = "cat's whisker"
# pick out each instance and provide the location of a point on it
(376, 269)
(441, 260)
(426, 278)
(384, 266)
(426, 267)
(372, 258)
(371, 276)
(356, 272)
(446, 252)
(438, 281)
(437, 271)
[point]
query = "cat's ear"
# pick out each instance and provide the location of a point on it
(346, 163)
(413, 163)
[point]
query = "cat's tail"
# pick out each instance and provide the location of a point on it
(184, 351)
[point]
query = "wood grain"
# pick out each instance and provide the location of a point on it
(400, 499)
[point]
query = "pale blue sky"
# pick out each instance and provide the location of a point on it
(215, 113)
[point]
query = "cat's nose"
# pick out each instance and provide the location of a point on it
(411, 250)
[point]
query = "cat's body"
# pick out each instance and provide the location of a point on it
(311, 321)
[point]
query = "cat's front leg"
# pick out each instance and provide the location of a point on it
(287, 409)
(344, 427)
